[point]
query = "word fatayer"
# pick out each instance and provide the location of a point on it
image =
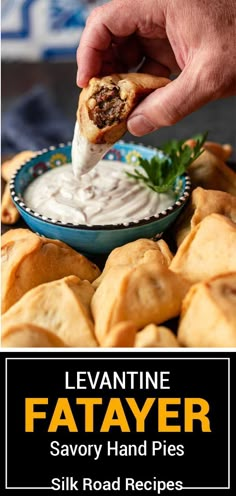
(119, 413)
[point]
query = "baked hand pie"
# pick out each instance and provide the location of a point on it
(208, 316)
(204, 202)
(30, 336)
(153, 336)
(9, 167)
(137, 252)
(9, 213)
(122, 335)
(221, 151)
(208, 250)
(104, 107)
(61, 307)
(143, 294)
(210, 172)
(29, 260)
(126, 335)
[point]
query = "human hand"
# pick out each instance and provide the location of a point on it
(195, 39)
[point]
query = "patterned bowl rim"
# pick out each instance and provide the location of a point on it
(88, 227)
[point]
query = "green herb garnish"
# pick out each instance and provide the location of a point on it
(161, 172)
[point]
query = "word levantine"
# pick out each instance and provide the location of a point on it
(115, 380)
(124, 414)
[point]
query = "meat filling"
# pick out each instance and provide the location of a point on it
(106, 107)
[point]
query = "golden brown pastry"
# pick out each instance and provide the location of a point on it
(29, 260)
(221, 151)
(204, 202)
(208, 250)
(106, 103)
(122, 335)
(208, 316)
(10, 166)
(135, 253)
(210, 172)
(153, 336)
(30, 336)
(9, 213)
(142, 294)
(61, 307)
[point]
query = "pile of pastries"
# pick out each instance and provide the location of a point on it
(52, 296)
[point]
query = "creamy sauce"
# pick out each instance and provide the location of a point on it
(85, 155)
(106, 195)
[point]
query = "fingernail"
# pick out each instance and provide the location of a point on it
(80, 79)
(140, 125)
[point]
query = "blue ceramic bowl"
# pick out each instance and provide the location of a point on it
(97, 239)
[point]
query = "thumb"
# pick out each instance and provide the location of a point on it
(166, 106)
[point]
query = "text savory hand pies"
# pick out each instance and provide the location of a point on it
(142, 294)
(208, 250)
(61, 307)
(29, 260)
(137, 252)
(204, 202)
(208, 316)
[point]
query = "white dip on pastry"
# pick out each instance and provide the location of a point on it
(106, 195)
(85, 155)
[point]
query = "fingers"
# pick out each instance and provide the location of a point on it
(104, 25)
(168, 105)
(150, 66)
(160, 51)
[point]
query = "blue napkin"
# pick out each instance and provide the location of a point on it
(33, 122)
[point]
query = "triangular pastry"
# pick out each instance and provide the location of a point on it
(61, 307)
(104, 107)
(208, 315)
(208, 250)
(29, 260)
(143, 294)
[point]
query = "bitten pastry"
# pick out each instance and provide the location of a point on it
(30, 336)
(106, 103)
(142, 294)
(104, 107)
(61, 307)
(208, 250)
(208, 316)
(29, 260)
(204, 202)
(153, 336)
(137, 252)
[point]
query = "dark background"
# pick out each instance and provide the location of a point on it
(218, 117)
(205, 459)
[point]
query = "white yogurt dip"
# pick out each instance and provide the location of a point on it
(106, 195)
(85, 155)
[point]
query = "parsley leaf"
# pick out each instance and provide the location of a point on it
(161, 172)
